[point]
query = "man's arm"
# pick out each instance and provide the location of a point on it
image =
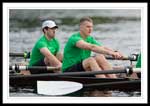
(108, 48)
(59, 56)
(113, 50)
(98, 49)
(51, 58)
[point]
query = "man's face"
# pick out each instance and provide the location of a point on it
(51, 32)
(86, 27)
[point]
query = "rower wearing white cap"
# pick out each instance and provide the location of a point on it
(46, 50)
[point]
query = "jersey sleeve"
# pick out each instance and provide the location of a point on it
(74, 40)
(41, 45)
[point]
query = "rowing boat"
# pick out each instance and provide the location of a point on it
(89, 82)
(87, 79)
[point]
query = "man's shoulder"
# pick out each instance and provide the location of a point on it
(41, 38)
(74, 35)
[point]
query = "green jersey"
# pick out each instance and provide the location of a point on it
(52, 45)
(138, 64)
(73, 54)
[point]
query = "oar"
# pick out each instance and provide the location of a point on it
(57, 88)
(17, 68)
(132, 57)
(26, 55)
(127, 70)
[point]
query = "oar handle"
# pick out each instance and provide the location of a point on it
(132, 57)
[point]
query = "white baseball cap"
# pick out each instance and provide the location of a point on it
(49, 23)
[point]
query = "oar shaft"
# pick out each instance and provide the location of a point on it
(16, 54)
(25, 54)
(132, 57)
(112, 83)
(125, 70)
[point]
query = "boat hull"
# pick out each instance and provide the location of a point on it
(124, 84)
